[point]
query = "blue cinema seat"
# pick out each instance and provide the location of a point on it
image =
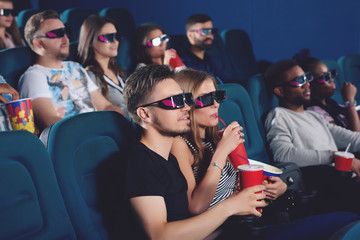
(339, 80)
(14, 62)
(87, 152)
(220, 58)
(238, 107)
(241, 56)
(74, 17)
(31, 206)
(125, 25)
(179, 42)
(23, 17)
(262, 100)
(350, 65)
(123, 18)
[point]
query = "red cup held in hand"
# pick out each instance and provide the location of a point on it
(176, 62)
(343, 161)
(250, 175)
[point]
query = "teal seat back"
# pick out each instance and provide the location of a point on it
(220, 58)
(87, 152)
(31, 206)
(74, 18)
(123, 18)
(23, 17)
(262, 101)
(238, 107)
(339, 80)
(14, 62)
(239, 50)
(350, 65)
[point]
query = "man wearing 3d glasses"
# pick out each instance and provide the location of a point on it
(200, 33)
(58, 89)
(307, 139)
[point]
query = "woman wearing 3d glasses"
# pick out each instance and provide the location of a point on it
(202, 155)
(150, 46)
(98, 47)
(323, 87)
(9, 32)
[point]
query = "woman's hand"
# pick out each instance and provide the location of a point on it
(231, 138)
(348, 92)
(169, 54)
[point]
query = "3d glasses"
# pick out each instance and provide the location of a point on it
(157, 41)
(208, 99)
(205, 31)
(106, 38)
(325, 78)
(57, 33)
(300, 80)
(173, 102)
(5, 12)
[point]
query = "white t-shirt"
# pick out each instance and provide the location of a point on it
(69, 88)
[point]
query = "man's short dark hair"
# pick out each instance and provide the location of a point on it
(140, 84)
(274, 75)
(34, 22)
(196, 18)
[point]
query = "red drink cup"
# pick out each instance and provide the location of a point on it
(176, 62)
(238, 156)
(251, 175)
(343, 161)
(21, 115)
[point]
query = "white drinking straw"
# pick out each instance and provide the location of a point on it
(348, 146)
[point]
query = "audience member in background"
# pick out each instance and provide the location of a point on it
(150, 46)
(306, 138)
(323, 87)
(7, 93)
(200, 33)
(98, 47)
(155, 185)
(9, 32)
(202, 154)
(58, 89)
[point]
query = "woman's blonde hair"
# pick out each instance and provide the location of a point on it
(190, 80)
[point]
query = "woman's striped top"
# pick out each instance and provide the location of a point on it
(228, 177)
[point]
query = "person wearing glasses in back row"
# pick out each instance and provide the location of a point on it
(150, 46)
(307, 139)
(323, 87)
(200, 33)
(97, 49)
(58, 89)
(9, 32)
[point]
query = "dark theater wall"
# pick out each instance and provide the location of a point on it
(277, 28)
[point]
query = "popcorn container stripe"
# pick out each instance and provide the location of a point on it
(21, 115)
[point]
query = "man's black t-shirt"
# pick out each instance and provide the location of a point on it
(149, 174)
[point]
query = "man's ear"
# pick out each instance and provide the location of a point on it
(189, 35)
(279, 91)
(143, 114)
(38, 43)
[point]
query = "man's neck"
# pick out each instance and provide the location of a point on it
(200, 53)
(295, 108)
(49, 62)
(157, 142)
